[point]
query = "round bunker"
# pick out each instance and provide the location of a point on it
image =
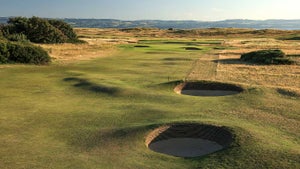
(189, 140)
(207, 88)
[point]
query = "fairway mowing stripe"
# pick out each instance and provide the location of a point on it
(205, 68)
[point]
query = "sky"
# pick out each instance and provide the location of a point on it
(201, 10)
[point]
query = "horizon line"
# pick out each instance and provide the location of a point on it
(153, 19)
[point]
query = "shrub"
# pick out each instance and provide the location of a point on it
(11, 52)
(266, 57)
(39, 30)
(4, 54)
(65, 28)
(293, 38)
(1, 31)
(18, 25)
(19, 37)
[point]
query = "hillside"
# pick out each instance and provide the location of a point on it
(181, 24)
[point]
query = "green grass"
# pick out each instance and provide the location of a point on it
(96, 114)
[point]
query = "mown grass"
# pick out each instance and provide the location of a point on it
(97, 113)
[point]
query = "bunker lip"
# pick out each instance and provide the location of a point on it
(207, 88)
(189, 139)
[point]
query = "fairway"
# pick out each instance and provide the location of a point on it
(97, 103)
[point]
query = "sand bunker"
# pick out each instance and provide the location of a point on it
(192, 48)
(189, 140)
(206, 88)
(141, 46)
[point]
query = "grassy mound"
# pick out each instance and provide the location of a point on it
(267, 57)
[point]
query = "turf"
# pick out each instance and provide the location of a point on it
(97, 113)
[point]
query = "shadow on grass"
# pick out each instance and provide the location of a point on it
(230, 61)
(142, 46)
(192, 48)
(88, 140)
(211, 85)
(288, 93)
(160, 52)
(93, 87)
(177, 59)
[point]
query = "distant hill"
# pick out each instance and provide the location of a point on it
(184, 24)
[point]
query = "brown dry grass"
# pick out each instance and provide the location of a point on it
(100, 43)
(182, 33)
(230, 69)
(226, 66)
(64, 53)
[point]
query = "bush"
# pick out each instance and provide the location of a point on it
(39, 30)
(17, 25)
(4, 54)
(266, 57)
(22, 53)
(19, 37)
(294, 38)
(65, 28)
(1, 33)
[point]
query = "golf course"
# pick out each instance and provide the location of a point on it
(135, 98)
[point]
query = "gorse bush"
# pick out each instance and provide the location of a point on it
(39, 30)
(15, 52)
(4, 54)
(266, 57)
(15, 46)
(65, 28)
(19, 37)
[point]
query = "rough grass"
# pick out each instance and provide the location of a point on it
(193, 34)
(230, 69)
(97, 113)
(66, 53)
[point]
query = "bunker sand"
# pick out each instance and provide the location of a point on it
(186, 147)
(189, 139)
